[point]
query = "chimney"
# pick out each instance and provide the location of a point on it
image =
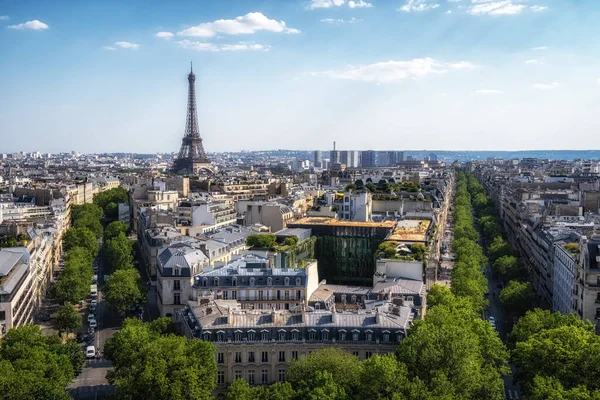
(333, 314)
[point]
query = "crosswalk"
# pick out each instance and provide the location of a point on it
(98, 362)
(511, 394)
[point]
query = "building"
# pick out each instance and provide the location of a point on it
(191, 158)
(274, 215)
(350, 158)
(344, 249)
(334, 157)
(211, 214)
(255, 284)
(587, 280)
(258, 345)
(318, 158)
(563, 295)
(19, 297)
(178, 262)
(355, 206)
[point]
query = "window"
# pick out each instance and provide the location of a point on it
(298, 281)
(177, 285)
(317, 306)
(233, 295)
(286, 281)
(264, 356)
(344, 298)
(220, 337)
(282, 356)
(287, 295)
(386, 338)
(281, 335)
(368, 354)
(225, 294)
(251, 377)
(220, 377)
(251, 356)
(264, 376)
(281, 375)
(220, 358)
(176, 298)
(294, 355)
(369, 336)
(234, 281)
(342, 336)
(265, 336)
(216, 282)
(260, 295)
(324, 335)
(177, 271)
(355, 336)
(399, 337)
(206, 336)
(311, 335)
(355, 353)
(238, 356)
(204, 281)
(294, 335)
(237, 374)
(298, 294)
(252, 281)
(353, 298)
(250, 336)
(238, 336)
(269, 281)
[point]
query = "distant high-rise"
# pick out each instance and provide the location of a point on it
(318, 157)
(191, 158)
(349, 157)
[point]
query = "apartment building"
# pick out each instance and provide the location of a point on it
(274, 215)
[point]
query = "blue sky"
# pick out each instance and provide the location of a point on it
(109, 75)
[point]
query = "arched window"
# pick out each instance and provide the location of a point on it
(216, 281)
(250, 336)
(220, 337)
(252, 281)
(269, 281)
(317, 306)
(298, 280)
(353, 298)
(206, 336)
(204, 281)
(265, 336)
(286, 281)
(234, 281)
(344, 298)
(282, 335)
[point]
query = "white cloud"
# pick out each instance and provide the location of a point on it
(204, 46)
(359, 4)
(163, 35)
(540, 48)
(341, 21)
(538, 8)
(391, 71)
(462, 65)
(127, 45)
(532, 62)
(109, 48)
(247, 24)
(489, 91)
(34, 25)
(325, 3)
(598, 81)
(546, 86)
(448, 12)
(495, 7)
(418, 5)
(4, 17)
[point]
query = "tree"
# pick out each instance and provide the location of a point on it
(240, 390)
(344, 368)
(87, 208)
(499, 248)
(440, 295)
(69, 319)
(517, 297)
(382, 378)
(322, 386)
(262, 240)
(386, 250)
(81, 237)
(418, 251)
(122, 290)
(31, 367)
(547, 388)
(70, 289)
(506, 266)
(149, 365)
(114, 229)
(118, 252)
(90, 222)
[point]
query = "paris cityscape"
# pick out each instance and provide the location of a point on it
(191, 252)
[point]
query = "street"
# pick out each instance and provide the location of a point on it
(91, 383)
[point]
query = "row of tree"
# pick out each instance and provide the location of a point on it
(109, 201)
(556, 357)
(123, 289)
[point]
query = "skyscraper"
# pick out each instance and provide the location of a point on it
(191, 158)
(318, 158)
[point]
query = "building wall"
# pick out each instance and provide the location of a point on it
(564, 277)
(400, 269)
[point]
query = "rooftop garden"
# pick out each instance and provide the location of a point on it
(395, 251)
(12, 241)
(383, 186)
(290, 246)
(572, 248)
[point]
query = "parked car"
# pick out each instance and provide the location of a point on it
(91, 317)
(90, 352)
(493, 322)
(80, 337)
(90, 340)
(94, 302)
(93, 324)
(95, 278)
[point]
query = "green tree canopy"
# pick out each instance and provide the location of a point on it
(262, 240)
(109, 200)
(118, 252)
(499, 248)
(32, 367)
(122, 290)
(114, 229)
(69, 319)
(148, 365)
(81, 237)
(517, 297)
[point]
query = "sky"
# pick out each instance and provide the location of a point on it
(111, 76)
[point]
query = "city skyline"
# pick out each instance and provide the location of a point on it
(484, 75)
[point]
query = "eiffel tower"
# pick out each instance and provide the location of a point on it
(191, 158)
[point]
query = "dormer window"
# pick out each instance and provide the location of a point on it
(234, 281)
(216, 281)
(269, 281)
(204, 281)
(298, 280)
(252, 281)
(286, 281)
